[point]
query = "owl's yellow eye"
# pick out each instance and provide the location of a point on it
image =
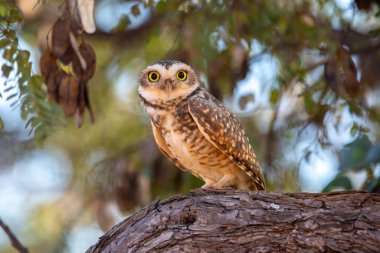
(181, 75)
(153, 76)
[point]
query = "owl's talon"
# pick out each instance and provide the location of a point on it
(227, 181)
(207, 185)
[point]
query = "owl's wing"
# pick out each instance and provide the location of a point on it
(164, 148)
(225, 132)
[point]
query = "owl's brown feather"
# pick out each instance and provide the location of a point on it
(226, 133)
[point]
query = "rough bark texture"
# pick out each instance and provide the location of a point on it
(240, 221)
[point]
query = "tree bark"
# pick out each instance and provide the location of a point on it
(241, 221)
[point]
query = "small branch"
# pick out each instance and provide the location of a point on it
(314, 65)
(13, 239)
(257, 56)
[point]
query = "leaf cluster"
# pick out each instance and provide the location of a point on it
(23, 88)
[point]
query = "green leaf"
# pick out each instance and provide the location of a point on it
(135, 10)
(354, 154)
(21, 84)
(123, 23)
(1, 124)
(23, 57)
(354, 108)
(28, 123)
(373, 185)
(36, 81)
(354, 129)
(11, 96)
(24, 110)
(339, 182)
(6, 70)
(8, 89)
(373, 155)
(40, 134)
(10, 33)
(5, 42)
(274, 96)
(14, 103)
(16, 14)
(25, 69)
(310, 105)
(8, 54)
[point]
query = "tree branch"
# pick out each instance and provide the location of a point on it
(13, 239)
(240, 221)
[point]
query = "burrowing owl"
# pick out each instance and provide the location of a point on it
(195, 130)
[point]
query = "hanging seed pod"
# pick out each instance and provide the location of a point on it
(60, 37)
(52, 87)
(68, 95)
(88, 54)
(88, 103)
(77, 69)
(81, 105)
(48, 64)
(52, 83)
(67, 57)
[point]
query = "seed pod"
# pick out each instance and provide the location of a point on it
(67, 57)
(53, 88)
(68, 95)
(60, 37)
(89, 56)
(52, 83)
(88, 103)
(48, 64)
(81, 105)
(79, 117)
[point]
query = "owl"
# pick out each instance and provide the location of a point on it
(195, 131)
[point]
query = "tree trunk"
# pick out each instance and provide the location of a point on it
(241, 221)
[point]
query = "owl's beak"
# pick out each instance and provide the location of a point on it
(168, 85)
(167, 89)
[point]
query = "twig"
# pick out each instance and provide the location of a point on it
(13, 239)
(314, 65)
(255, 57)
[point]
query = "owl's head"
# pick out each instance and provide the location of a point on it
(166, 81)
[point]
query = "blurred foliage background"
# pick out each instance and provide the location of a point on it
(303, 77)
